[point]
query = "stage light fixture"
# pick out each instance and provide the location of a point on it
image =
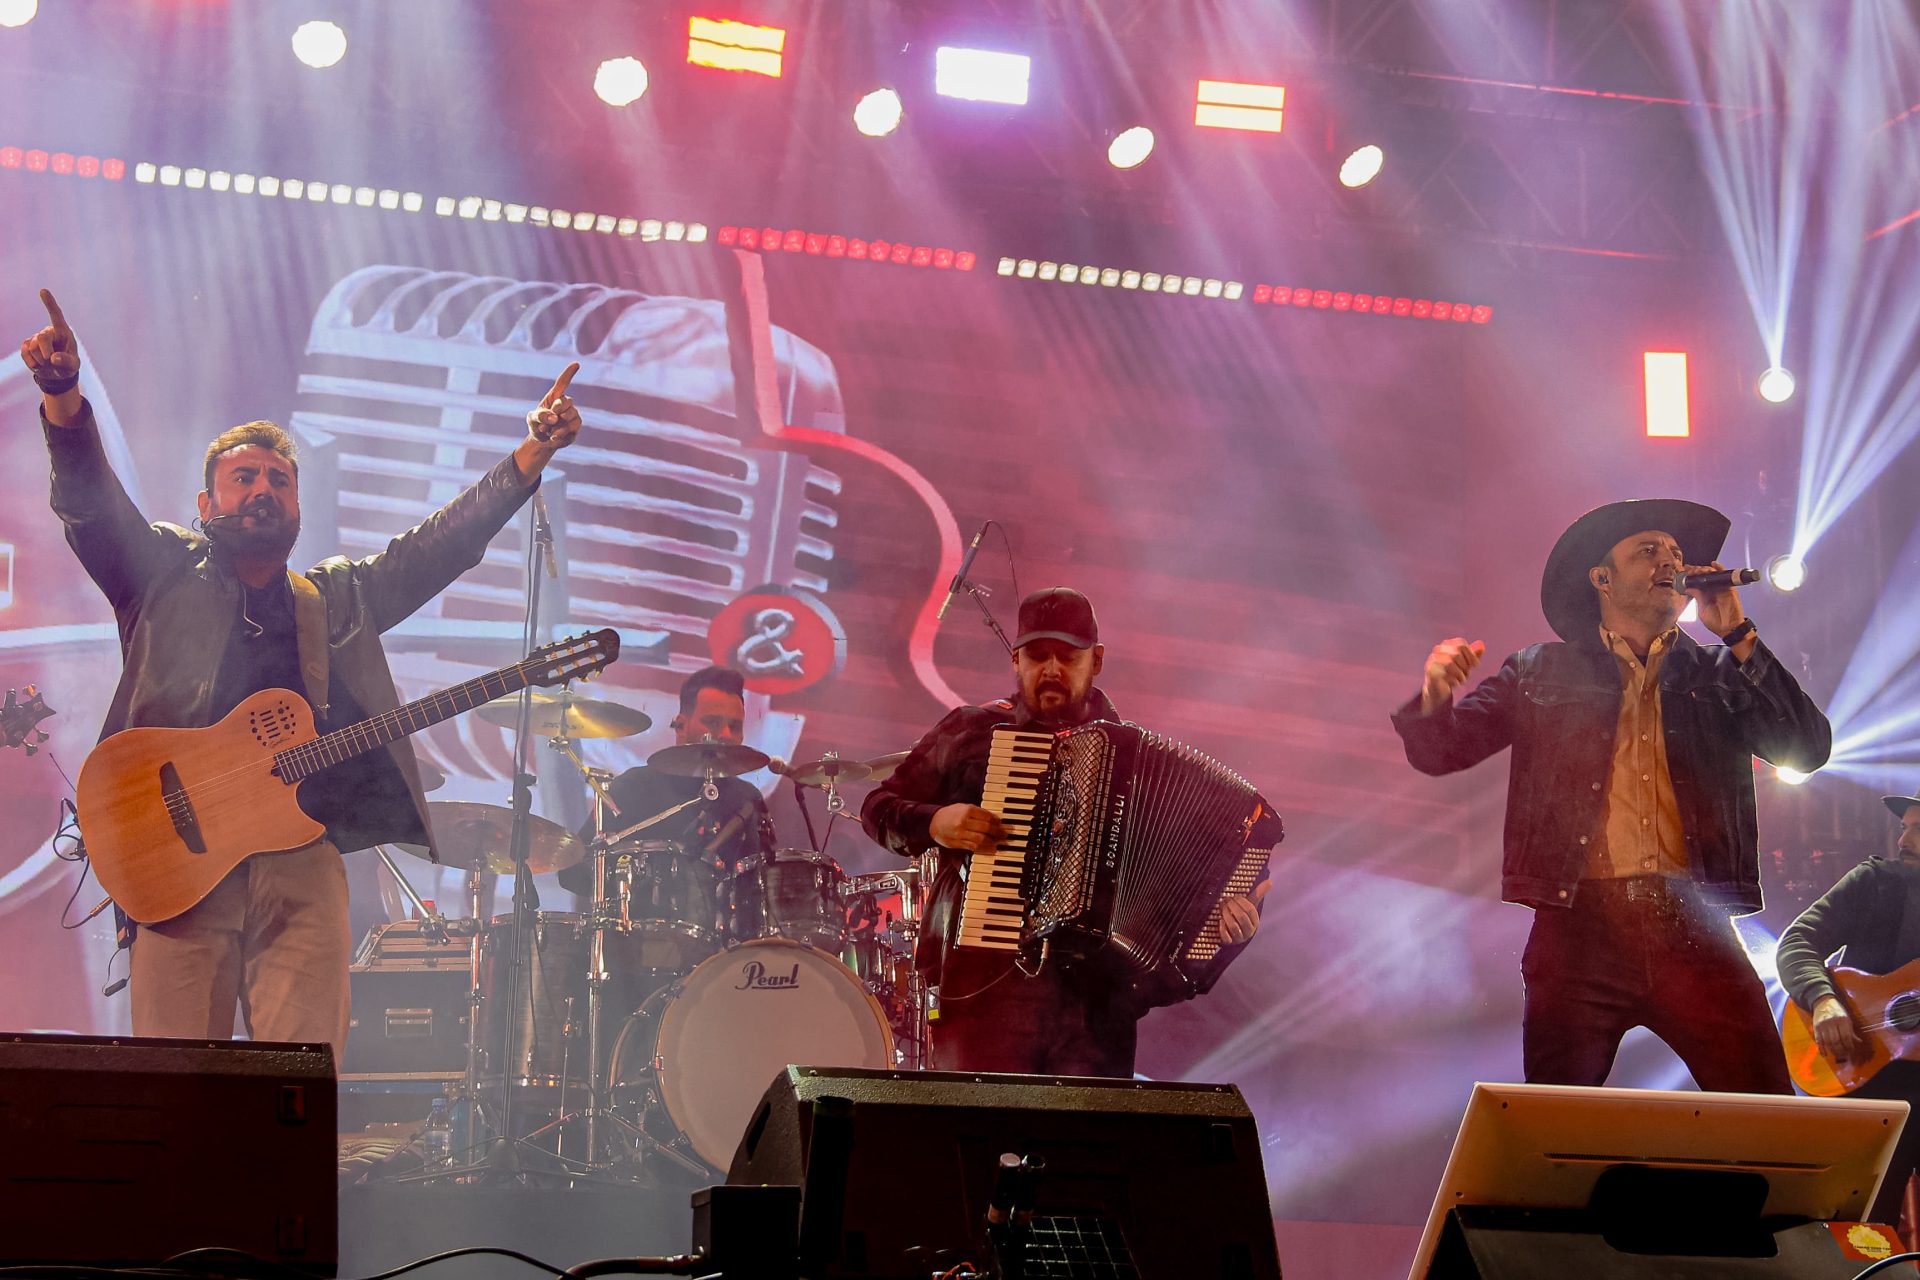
(735, 46)
(1230, 104)
(1362, 166)
(878, 114)
(319, 43)
(981, 75)
(1775, 385)
(1130, 146)
(1787, 572)
(1792, 777)
(1666, 391)
(620, 81)
(17, 13)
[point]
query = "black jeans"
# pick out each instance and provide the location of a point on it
(1646, 951)
(994, 1018)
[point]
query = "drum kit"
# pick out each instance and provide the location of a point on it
(641, 1031)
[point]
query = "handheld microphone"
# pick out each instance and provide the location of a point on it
(966, 563)
(1714, 579)
(543, 534)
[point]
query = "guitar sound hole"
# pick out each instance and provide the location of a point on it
(1904, 1011)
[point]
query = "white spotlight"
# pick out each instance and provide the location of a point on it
(17, 13)
(982, 75)
(1786, 573)
(878, 114)
(1775, 385)
(319, 43)
(620, 81)
(1792, 777)
(1363, 166)
(1130, 147)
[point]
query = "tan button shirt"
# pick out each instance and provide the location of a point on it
(1640, 832)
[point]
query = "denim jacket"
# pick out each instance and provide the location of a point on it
(1557, 706)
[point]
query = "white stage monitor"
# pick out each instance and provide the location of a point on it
(1542, 1146)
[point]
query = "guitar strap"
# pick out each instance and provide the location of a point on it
(310, 624)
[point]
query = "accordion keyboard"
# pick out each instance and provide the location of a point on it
(994, 911)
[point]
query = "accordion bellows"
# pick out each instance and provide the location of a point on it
(1121, 846)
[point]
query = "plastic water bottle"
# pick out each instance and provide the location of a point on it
(437, 1141)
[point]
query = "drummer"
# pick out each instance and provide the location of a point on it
(712, 706)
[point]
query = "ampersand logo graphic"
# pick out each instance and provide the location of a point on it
(781, 639)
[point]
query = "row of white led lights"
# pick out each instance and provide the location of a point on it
(475, 207)
(1113, 277)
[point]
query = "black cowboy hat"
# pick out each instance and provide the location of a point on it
(1566, 595)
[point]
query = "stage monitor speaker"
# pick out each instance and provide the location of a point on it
(129, 1151)
(897, 1169)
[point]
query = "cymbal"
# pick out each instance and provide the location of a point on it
(431, 779)
(583, 717)
(817, 773)
(694, 759)
(880, 768)
(479, 837)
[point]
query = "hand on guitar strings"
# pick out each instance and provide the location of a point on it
(1834, 1032)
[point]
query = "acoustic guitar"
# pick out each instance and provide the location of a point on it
(167, 813)
(1886, 1012)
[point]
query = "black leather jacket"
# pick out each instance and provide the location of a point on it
(1557, 706)
(175, 602)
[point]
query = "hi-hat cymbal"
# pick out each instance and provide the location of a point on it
(817, 773)
(560, 716)
(431, 779)
(696, 759)
(479, 837)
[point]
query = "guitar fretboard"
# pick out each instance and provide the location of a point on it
(993, 912)
(323, 752)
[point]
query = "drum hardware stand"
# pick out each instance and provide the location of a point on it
(432, 923)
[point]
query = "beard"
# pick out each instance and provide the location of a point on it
(268, 539)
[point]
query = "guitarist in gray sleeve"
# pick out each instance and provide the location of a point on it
(208, 618)
(1872, 916)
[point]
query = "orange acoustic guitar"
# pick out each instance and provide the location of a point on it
(1885, 1009)
(168, 812)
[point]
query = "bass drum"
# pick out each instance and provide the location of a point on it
(695, 1059)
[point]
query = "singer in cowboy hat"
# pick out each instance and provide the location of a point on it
(1630, 823)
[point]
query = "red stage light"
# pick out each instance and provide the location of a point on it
(36, 162)
(735, 46)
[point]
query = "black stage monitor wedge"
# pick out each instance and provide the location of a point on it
(1122, 1179)
(127, 1151)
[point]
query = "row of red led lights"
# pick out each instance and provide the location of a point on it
(773, 240)
(1378, 304)
(62, 163)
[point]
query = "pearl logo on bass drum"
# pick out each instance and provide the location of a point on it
(754, 977)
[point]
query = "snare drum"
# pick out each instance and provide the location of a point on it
(693, 1063)
(665, 901)
(790, 893)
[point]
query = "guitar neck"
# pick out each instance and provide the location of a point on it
(324, 752)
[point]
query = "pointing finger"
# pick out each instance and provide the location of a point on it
(59, 320)
(560, 383)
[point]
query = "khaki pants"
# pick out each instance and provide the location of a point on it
(272, 937)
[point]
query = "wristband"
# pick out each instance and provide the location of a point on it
(1739, 633)
(57, 386)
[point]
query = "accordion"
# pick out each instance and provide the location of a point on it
(1121, 845)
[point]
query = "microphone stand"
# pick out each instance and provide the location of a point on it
(979, 595)
(503, 1159)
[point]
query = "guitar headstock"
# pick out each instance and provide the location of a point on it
(573, 658)
(19, 721)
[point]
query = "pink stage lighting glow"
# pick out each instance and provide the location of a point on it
(981, 75)
(1666, 377)
(1377, 304)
